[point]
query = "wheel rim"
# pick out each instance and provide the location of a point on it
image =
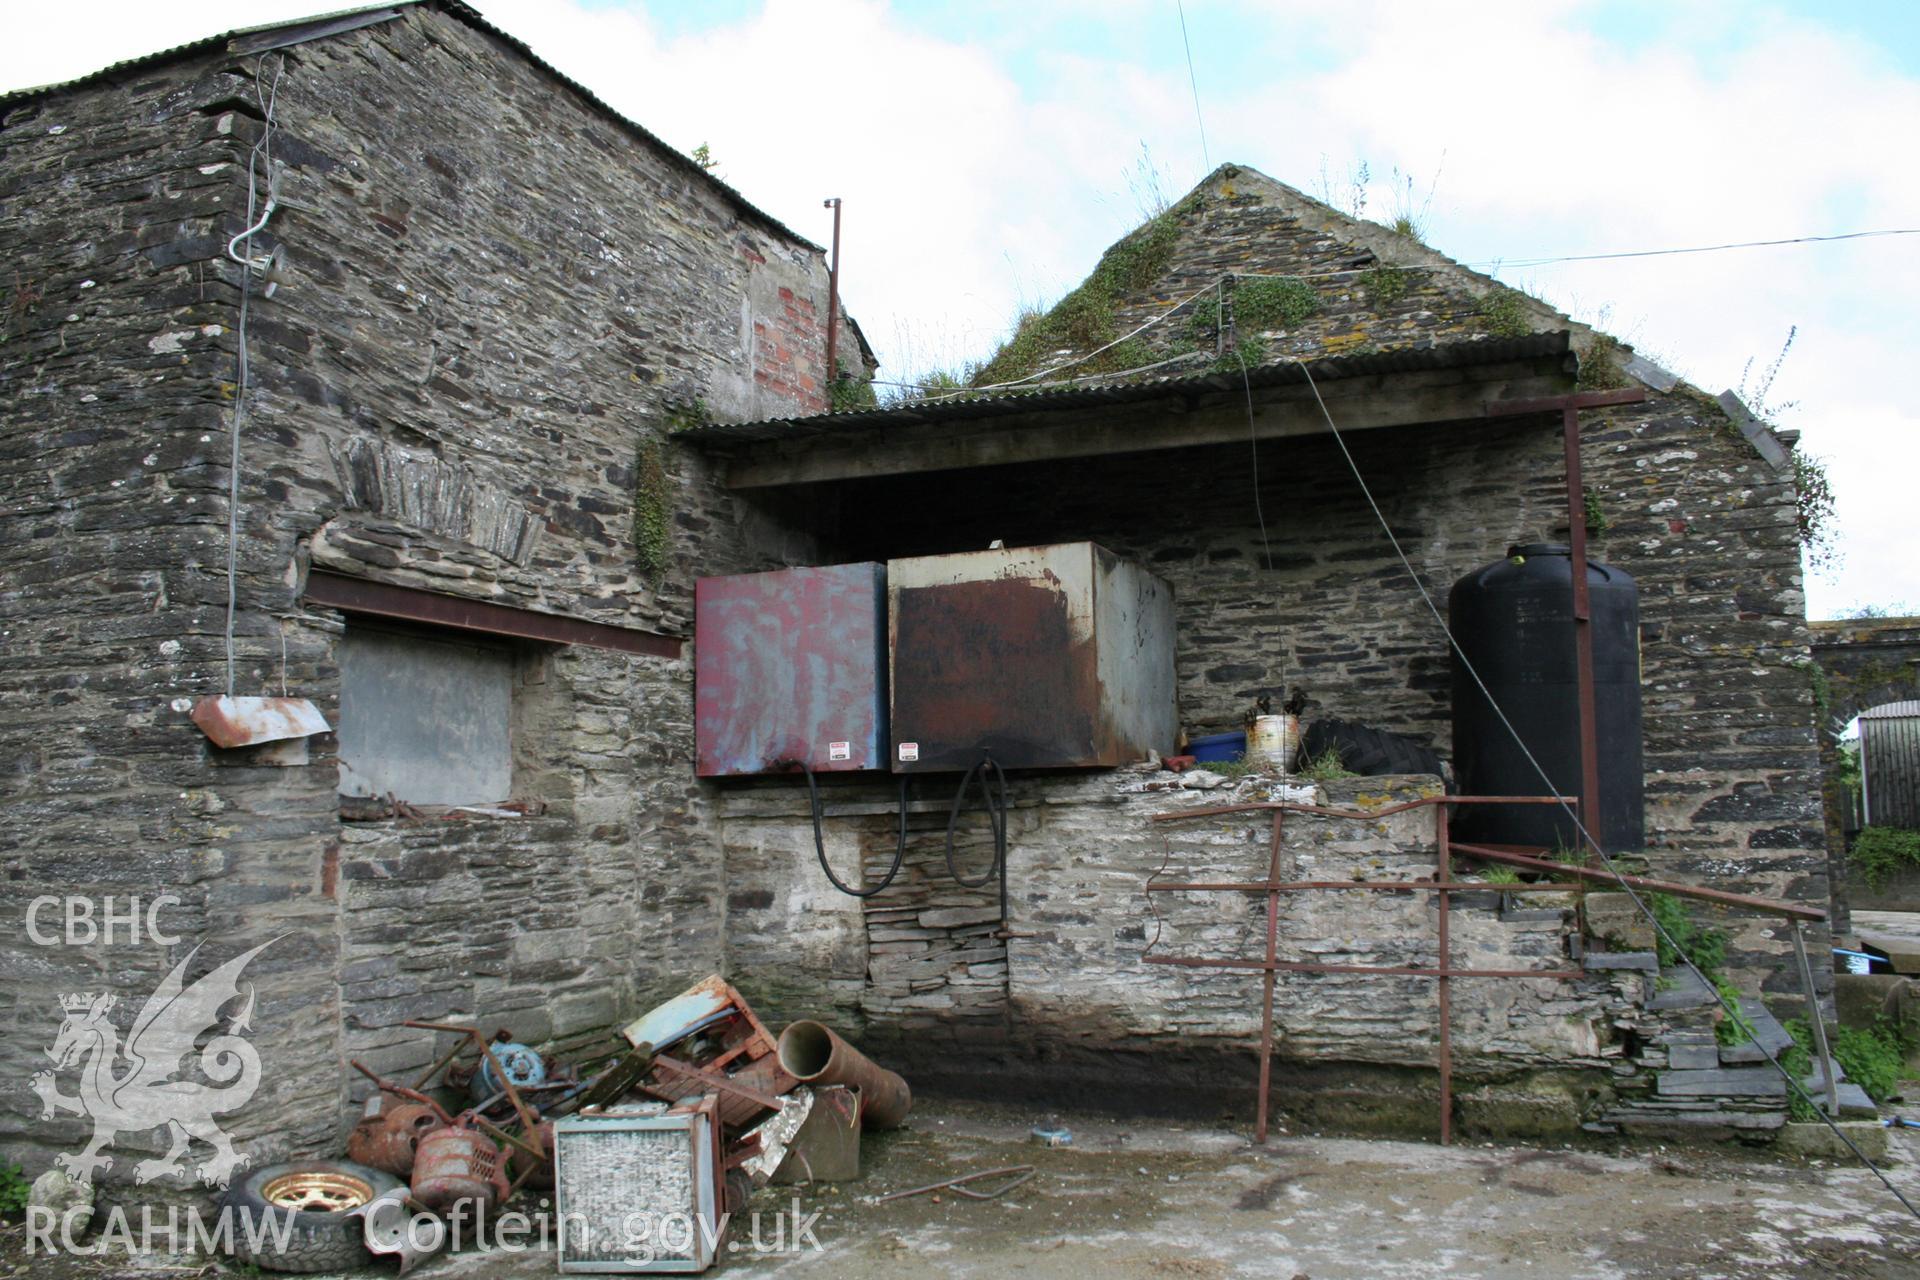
(318, 1191)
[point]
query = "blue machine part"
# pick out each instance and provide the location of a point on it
(521, 1064)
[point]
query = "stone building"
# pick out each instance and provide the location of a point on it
(1175, 424)
(525, 373)
(486, 326)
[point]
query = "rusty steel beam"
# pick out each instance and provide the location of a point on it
(1443, 899)
(1392, 971)
(1569, 407)
(384, 600)
(1385, 886)
(1557, 404)
(1272, 973)
(1497, 853)
(1423, 802)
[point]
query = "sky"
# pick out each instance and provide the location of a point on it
(987, 151)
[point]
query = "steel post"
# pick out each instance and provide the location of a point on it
(1816, 1020)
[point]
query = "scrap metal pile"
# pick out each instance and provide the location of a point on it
(641, 1158)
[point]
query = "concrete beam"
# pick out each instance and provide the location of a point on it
(1415, 398)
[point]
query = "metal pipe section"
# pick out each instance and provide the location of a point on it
(811, 1052)
(833, 305)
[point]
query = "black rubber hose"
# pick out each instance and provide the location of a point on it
(820, 841)
(996, 817)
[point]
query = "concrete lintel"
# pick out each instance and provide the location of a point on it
(1413, 398)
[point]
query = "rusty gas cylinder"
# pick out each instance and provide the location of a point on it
(387, 1136)
(455, 1164)
(540, 1175)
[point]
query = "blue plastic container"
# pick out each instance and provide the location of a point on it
(1218, 746)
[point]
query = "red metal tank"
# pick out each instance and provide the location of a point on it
(790, 668)
(1045, 657)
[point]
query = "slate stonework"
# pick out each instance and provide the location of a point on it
(486, 312)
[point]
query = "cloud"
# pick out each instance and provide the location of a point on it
(984, 168)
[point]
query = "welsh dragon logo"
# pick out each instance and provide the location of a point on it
(130, 1088)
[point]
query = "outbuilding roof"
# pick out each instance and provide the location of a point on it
(964, 406)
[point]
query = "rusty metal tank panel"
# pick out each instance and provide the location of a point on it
(1047, 657)
(790, 667)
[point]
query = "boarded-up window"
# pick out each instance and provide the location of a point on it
(425, 717)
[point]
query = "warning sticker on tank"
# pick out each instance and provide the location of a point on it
(909, 752)
(839, 751)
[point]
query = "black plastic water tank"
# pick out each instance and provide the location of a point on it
(1514, 621)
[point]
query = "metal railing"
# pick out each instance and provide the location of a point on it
(1442, 886)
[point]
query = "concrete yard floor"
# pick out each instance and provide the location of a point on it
(1136, 1198)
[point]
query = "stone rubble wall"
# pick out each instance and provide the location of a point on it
(490, 318)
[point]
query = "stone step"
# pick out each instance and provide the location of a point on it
(1645, 961)
(1723, 1082)
(1702, 1123)
(1767, 1030)
(1854, 1102)
(1679, 988)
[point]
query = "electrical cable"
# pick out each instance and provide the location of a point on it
(820, 840)
(1253, 447)
(1606, 861)
(1193, 81)
(1081, 359)
(1494, 263)
(262, 149)
(1705, 248)
(996, 818)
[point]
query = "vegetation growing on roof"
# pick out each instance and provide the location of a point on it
(1083, 320)
(1203, 324)
(1603, 368)
(686, 415)
(1247, 353)
(1272, 301)
(1385, 285)
(1505, 313)
(1813, 501)
(848, 393)
(1813, 490)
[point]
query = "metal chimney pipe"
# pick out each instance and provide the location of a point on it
(833, 301)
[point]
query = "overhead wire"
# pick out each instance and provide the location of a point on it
(1339, 272)
(1193, 82)
(1606, 862)
(1705, 248)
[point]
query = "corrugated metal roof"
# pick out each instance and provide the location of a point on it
(246, 39)
(1892, 711)
(1049, 398)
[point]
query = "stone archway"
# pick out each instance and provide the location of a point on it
(1861, 663)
